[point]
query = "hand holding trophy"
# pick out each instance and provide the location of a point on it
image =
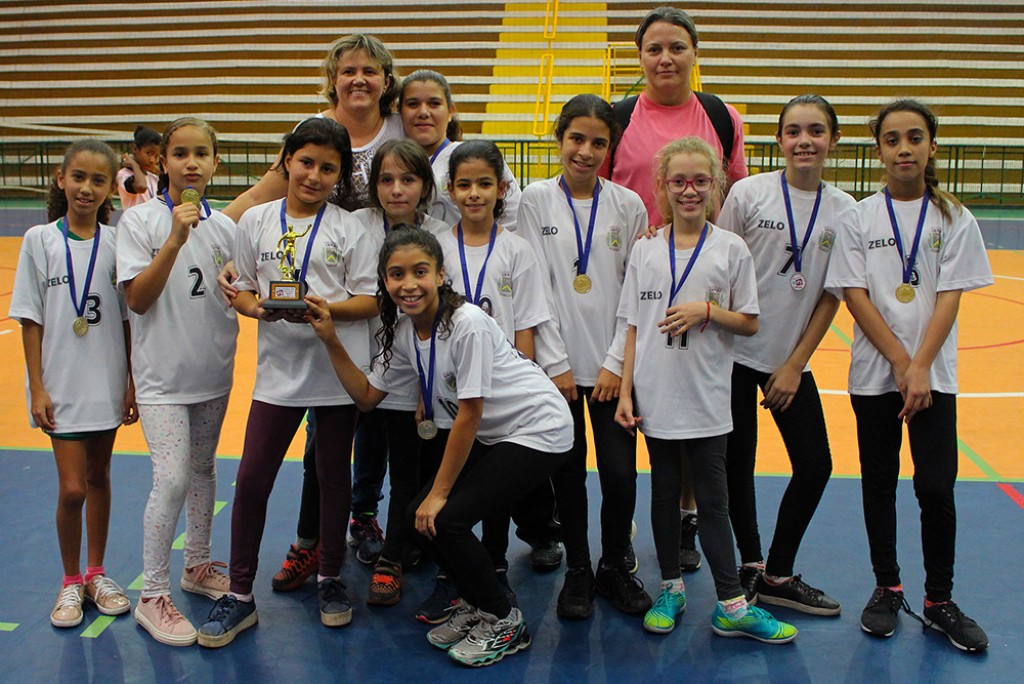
(287, 293)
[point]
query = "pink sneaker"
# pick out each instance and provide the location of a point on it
(207, 580)
(107, 595)
(68, 610)
(161, 619)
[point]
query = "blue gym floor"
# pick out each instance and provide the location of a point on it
(387, 644)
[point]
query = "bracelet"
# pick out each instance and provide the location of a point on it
(708, 319)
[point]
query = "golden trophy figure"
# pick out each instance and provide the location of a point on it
(288, 292)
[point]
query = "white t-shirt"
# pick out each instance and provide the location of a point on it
(476, 360)
(951, 256)
(512, 291)
(444, 208)
(586, 323)
(86, 377)
(682, 384)
(183, 347)
(292, 367)
(371, 220)
(756, 211)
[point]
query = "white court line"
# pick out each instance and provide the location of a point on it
(1009, 277)
(964, 395)
(4, 332)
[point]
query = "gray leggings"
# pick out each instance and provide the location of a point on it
(707, 462)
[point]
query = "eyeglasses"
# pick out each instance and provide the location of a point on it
(700, 184)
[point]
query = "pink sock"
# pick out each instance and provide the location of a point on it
(92, 572)
(72, 579)
(898, 588)
(929, 604)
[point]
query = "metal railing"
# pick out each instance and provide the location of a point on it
(976, 173)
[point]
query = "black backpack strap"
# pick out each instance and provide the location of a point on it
(720, 119)
(623, 112)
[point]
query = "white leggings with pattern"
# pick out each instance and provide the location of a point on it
(182, 442)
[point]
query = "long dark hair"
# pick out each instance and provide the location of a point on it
(324, 133)
(57, 200)
(487, 152)
(406, 235)
(939, 197)
(591, 105)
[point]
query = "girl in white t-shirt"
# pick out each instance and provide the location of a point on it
(169, 251)
(583, 231)
(788, 219)
(138, 179)
(429, 118)
(510, 428)
(300, 242)
(687, 292)
(72, 316)
(902, 260)
(498, 271)
(401, 190)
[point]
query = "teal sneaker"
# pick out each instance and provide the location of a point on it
(661, 618)
(756, 624)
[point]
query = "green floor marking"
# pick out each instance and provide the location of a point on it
(136, 585)
(179, 543)
(840, 334)
(978, 460)
(8, 626)
(97, 627)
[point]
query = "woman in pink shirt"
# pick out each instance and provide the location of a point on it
(667, 109)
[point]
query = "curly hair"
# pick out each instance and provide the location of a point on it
(407, 235)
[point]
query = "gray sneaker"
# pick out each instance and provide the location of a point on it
(335, 606)
(447, 634)
(491, 639)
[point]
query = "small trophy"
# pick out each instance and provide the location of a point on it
(288, 292)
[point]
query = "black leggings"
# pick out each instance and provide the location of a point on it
(933, 449)
(707, 463)
(492, 480)
(616, 467)
(802, 427)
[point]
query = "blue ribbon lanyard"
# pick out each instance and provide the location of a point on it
(80, 305)
(798, 250)
(427, 381)
(475, 298)
(202, 200)
(907, 262)
(443, 145)
(309, 238)
(676, 287)
(583, 251)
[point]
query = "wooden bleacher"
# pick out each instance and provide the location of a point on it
(251, 67)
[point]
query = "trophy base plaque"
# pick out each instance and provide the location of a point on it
(285, 294)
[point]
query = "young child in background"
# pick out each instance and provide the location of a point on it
(138, 178)
(72, 314)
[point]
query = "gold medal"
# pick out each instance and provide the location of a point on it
(80, 326)
(190, 196)
(904, 293)
(427, 429)
(582, 283)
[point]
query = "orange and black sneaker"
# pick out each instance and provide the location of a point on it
(385, 584)
(298, 566)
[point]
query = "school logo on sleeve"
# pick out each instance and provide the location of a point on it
(332, 254)
(826, 240)
(714, 295)
(450, 382)
(614, 239)
(218, 256)
(935, 240)
(505, 285)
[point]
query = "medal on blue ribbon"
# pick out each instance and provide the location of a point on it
(798, 282)
(582, 282)
(473, 295)
(427, 429)
(80, 326)
(905, 291)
